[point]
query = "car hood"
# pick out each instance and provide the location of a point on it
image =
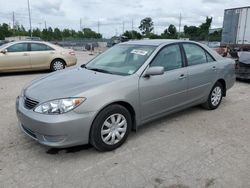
(67, 83)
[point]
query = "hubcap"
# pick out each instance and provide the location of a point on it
(216, 96)
(58, 65)
(114, 129)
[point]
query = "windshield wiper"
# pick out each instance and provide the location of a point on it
(99, 70)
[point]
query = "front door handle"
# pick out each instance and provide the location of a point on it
(25, 54)
(214, 68)
(182, 76)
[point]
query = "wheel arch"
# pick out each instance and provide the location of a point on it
(58, 58)
(223, 83)
(126, 105)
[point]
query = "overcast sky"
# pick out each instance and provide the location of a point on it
(112, 13)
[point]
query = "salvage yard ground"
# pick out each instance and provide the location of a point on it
(192, 148)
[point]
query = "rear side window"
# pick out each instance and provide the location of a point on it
(20, 47)
(195, 54)
(39, 47)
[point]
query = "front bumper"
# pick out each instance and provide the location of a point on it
(64, 130)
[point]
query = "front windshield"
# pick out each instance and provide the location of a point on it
(123, 59)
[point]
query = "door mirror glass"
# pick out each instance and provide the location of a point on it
(4, 51)
(153, 71)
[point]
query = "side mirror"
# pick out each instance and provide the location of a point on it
(153, 71)
(4, 51)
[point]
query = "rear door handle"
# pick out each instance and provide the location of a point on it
(182, 76)
(25, 54)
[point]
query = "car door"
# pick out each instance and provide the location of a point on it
(162, 93)
(16, 57)
(40, 55)
(201, 70)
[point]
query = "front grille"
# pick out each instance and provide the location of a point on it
(29, 104)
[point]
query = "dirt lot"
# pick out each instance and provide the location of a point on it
(193, 148)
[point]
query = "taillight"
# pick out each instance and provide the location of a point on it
(72, 53)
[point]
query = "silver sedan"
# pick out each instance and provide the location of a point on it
(125, 87)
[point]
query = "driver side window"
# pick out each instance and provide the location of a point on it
(169, 58)
(20, 47)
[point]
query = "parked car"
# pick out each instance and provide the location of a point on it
(243, 66)
(128, 85)
(34, 55)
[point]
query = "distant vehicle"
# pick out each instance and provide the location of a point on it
(243, 66)
(34, 55)
(222, 50)
(126, 86)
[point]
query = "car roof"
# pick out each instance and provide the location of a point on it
(32, 41)
(155, 42)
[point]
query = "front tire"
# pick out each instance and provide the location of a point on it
(215, 97)
(57, 64)
(110, 128)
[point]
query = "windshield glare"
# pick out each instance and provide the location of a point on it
(122, 59)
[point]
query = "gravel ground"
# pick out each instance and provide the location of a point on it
(192, 148)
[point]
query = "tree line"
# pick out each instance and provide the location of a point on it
(146, 28)
(197, 33)
(48, 34)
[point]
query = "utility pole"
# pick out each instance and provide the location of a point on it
(29, 18)
(45, 24)
(98, 26)
(179, 26)
(40, 25)
(123, 27)
(132, 29)
(13, 20)
(80, 24)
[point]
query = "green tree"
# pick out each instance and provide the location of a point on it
(170, 32)
(132, 34)
(5, 31)
(36, 32)
(57, 34)
(146, 26)
(88, 33)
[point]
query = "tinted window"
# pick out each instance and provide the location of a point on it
(169, 58)
(39, 47)
(195, 54)
(21, 47)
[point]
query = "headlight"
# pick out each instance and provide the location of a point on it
(59, 106)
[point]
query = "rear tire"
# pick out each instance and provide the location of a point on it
(57, 64)
(110, 128)
(215, 97)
